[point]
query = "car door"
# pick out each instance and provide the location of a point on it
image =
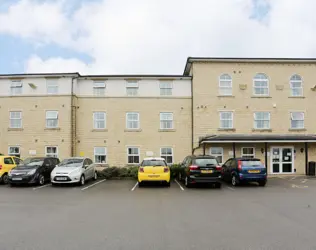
(224, 170)
(17, 161)
(233, 168)
(90, 168)
(86, 169)
(182, 167)
(8, 164)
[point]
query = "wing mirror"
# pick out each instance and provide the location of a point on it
(85, 166)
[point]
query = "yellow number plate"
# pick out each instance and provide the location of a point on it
(206, 171)
(254, 171)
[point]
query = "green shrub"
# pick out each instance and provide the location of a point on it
(174, 171)
(116, 172)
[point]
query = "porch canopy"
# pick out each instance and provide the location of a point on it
(257, 138)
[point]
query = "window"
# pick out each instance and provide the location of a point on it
(167, 154)
(262, 120)
(132, 120)
(51, 151)
(166, 120)
(296, 85)
(14, 151)
(16, 87)
(297, 120)
(8, 161)
(52, 86)
(99, 88)
(218, 153)
(133, 155)
(248, 153)
(99, 120)
(132, 88)
(51, 119)
(226, 120)
(100, 155)
(261, 85)
(15, 119)
(225, 85)
(165, 88)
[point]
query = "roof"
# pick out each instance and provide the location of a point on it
(35, 75)
(190, 60)
(257, 138)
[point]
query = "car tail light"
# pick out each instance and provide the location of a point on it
(141, 170)
(239, 166)
(0, 166)
(193, 167)
(219, 168)
(166, 170)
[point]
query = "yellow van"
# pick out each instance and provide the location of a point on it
(6, 164)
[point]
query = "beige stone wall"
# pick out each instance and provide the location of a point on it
(244, 104)
(149, 138)
(34, 135)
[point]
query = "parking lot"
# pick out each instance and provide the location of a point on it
(112, 214)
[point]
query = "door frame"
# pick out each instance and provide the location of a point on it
(271, 159)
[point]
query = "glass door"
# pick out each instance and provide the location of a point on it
(282, 160)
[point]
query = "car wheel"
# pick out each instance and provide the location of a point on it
(187, 182)
(82, 180)
(262, 183)
(41, 180)
(95, 177)
(234, 180)
(5, 178)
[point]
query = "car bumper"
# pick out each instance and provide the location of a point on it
(142, 177)
(254, 178)
(69, 179)
(25, 179)
(194, 179)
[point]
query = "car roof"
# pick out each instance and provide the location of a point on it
(154, 158)
(203, 156)
(246, 159)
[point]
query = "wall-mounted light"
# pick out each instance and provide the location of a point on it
(274, 105)
(32, 85)
(302, 150)
(262, 150)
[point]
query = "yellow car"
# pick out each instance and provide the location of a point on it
(154, 170)
(6, 164)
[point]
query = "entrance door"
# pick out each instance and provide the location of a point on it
(282, 159)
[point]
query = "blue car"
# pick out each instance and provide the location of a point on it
(243, 170)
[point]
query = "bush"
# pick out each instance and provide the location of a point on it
(174, 171)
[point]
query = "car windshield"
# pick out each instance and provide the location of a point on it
(149, 163)
(71, 163)
(203, 162)
(253, 163)
(32, 161)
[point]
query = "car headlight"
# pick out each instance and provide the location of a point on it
(31, 172)
(10, 173)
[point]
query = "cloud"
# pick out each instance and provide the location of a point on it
(156, 36)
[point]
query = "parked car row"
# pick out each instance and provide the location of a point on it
(204, 169)
(40, 170)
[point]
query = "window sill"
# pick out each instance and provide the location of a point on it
(297, 129)
(132, 130)
(297, 97)
(15, 129)
(229, 96)
(132, 164)
(99, 130)
(261, 130)
(260, 96)
(52, 129)
(226, 129)
(166, 130)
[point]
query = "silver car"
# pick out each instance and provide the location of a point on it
(74, 170)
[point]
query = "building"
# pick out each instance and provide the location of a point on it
(255, 107)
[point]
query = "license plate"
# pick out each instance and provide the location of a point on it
(153, 175)
(206, 171)
(17, 179)
(254, 171)
(61, 178)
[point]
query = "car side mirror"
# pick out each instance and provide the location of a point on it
(85, 166)
(46, 164)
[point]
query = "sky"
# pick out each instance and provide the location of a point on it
(148, 36)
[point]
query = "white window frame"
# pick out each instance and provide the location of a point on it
(16, 87)
(133, 155)
(14, 154)
(138, 120)
(52, 118)
(166, 88)
(292, 80)
(99, 88)
(132, 88)
(167, 155)
(95, 120)
(162, 122)
(266, 80)
(221, 119)
(51, 154)
(224, 79)
(217, 155)
(16, 119)
(248, 156)
(52, 86)
(255, 120)
(98, 154)
(292, 119)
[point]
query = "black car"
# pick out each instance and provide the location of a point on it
(34, 170)
(200, 169)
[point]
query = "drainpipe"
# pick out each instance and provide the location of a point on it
(192, 119)
(73, 119)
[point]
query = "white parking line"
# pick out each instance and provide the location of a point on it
(179, 185)
(42, 186)
(303, 181)
(293, 178)
(233, 189)
(92, 185)
(134, 186)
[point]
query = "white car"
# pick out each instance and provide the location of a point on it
(74, 170)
